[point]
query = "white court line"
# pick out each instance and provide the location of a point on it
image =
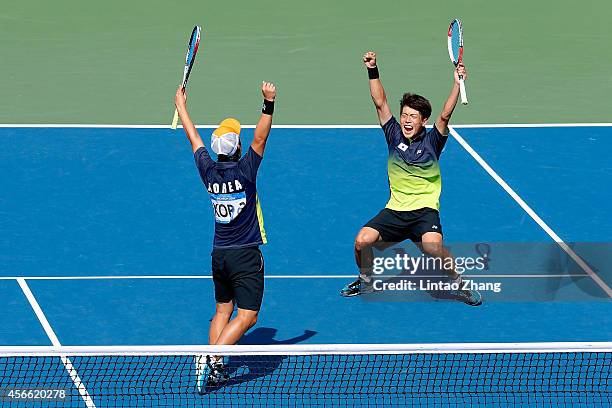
(93, 126)
(74, 375)
(583, 265)
(532, 125)
(110, 277)
(466, 126)
(39, 313)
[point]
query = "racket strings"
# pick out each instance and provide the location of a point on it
(455, 42)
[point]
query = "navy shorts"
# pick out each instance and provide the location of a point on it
(397, 226)
(238, 275)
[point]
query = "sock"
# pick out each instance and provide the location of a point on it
(365, 278)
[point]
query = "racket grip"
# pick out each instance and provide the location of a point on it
(462, 92)
(175, 120)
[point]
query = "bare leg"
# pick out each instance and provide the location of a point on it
(363, 250)
(223, 314)
(233, 331)
(433, 245)
(206, 366)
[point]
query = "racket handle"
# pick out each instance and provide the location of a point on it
(175, 120)
(464, 99)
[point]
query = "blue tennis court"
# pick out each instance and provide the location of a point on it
(106, 235)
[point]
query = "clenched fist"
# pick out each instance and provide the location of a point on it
(268, 89)
(369, 59)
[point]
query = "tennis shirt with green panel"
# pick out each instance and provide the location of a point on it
(415, 181)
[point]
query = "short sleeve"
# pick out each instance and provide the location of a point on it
(437, 139)
(249, 164)
(203, 161)
(393, 131)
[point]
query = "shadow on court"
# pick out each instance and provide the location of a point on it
(266, 335)
(245, 368)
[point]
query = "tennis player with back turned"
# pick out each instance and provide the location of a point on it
(237, 262)
(414, 181)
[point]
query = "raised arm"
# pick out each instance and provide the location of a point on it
(451, 102)
(180, 100)
(262, 130)
(376, 89)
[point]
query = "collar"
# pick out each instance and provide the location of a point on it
(417, 137)
(226, 165)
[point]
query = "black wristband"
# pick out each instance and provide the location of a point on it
(373, 73)
(268, 107)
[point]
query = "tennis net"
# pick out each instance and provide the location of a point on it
(486, 374)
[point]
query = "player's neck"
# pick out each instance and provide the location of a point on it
(416, 136)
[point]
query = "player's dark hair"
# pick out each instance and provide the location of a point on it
(233, 158)
(416, 102)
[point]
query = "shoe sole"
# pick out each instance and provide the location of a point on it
(474, 304)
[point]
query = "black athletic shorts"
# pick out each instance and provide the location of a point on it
(397, 226)
(238, 275)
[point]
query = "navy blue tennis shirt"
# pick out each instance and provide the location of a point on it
(233, 193)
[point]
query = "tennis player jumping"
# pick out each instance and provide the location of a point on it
(414, 181)
(237, 262)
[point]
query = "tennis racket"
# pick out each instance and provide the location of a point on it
(455, 51)
(192, 50)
